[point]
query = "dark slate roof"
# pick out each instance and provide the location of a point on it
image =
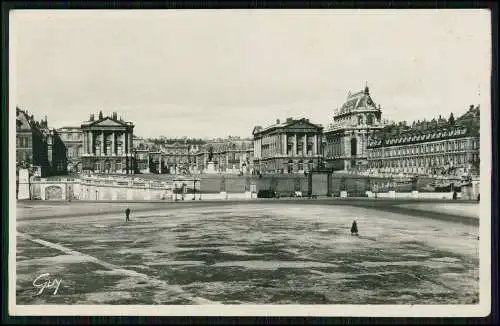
(360, 101)
(414, 136)
(466, 125)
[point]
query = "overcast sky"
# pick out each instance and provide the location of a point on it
(214, 73)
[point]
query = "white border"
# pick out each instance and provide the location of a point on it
(478, 310)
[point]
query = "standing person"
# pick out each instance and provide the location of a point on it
(354, 228)
(127, 215)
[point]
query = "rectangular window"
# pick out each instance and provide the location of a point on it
(300, 147)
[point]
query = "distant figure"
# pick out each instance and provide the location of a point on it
(477, 197)
(127, 215)
(354, 228)
(455, 195)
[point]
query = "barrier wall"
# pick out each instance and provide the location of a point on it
(234, 187)
(414, 195)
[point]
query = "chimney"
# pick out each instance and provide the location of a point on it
(114, 115)
(471, 107)
(277, 121)
(289, 119)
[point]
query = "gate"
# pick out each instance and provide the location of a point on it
(53, 193)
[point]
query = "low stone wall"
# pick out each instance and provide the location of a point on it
(219, 187)
(413, 194)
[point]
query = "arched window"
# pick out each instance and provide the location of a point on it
(107, 166)
(369, 119)
(290, 166)
(360, 119)
(301, 165)
(354, 147)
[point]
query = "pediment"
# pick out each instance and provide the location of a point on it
(304, 125)
(108, 122)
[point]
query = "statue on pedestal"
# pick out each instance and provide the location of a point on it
(210, 153)
(210, 166)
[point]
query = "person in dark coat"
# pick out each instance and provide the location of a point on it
(127, 215)
(354, 228)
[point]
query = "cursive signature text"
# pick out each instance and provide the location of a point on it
(44, 281)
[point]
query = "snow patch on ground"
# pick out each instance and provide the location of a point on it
(272, 265)
(61, 259)
(461, 209)
(106, 297)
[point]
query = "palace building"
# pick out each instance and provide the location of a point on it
(73, 139)
(347, 136)
(39, 147)
(107, 145)
(231, 155)
(292, 146)
(431, 148)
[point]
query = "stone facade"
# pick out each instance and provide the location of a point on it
(73, 139)
(39, 147)
(437, 148)
(231, 155)
(293, 146)
(347, 136)
(107, 145)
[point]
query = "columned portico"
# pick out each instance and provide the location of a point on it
(108, 145)
(289, 147)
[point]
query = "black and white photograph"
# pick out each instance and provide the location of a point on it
(250, 162)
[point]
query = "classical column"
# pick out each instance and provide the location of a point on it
(284, 143)
(91, 143)
(103, 146)
(125, 143)
(113, 150)
(304, 145)
(347, 146)
(85, 143)
(316, 150)
(294, 151)
(129, 142)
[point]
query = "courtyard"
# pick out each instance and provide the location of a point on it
(263, 252)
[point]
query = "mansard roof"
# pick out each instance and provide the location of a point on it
(23, 121)
(414, 136)
(360, 101)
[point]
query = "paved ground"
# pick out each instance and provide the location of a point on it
(262, 252)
